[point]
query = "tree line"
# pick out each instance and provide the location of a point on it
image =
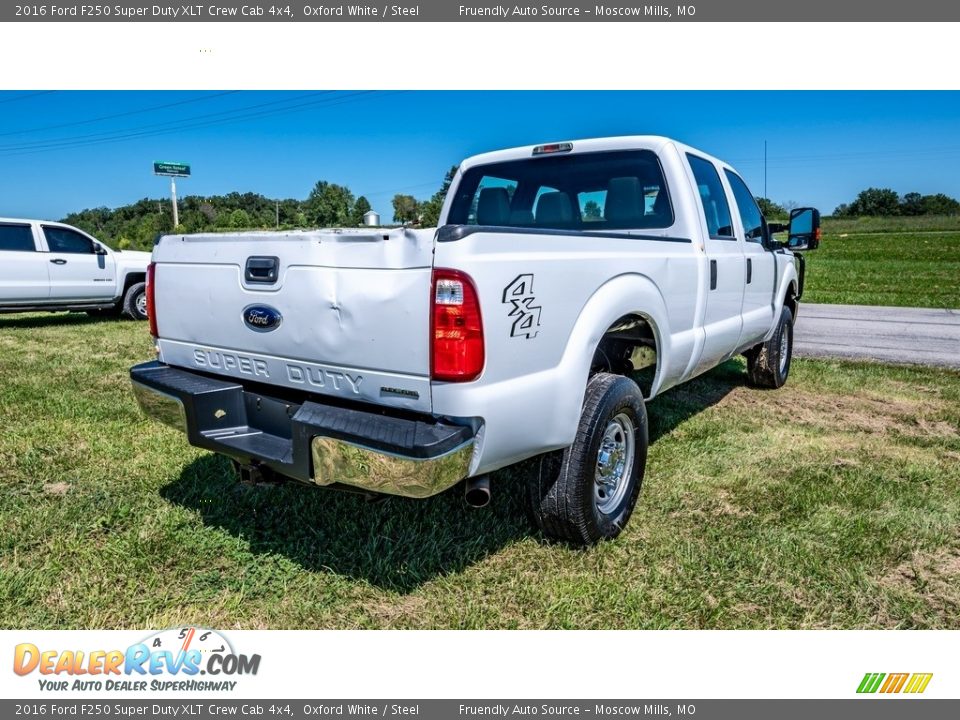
(332, 205)
(135, 226)
(887, 202)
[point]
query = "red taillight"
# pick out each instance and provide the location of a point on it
(456, 352)
(151, 303)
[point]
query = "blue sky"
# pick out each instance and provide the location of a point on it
(65, 151)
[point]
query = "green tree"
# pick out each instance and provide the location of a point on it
(939, 204)
(329, 205)
(770, 209)
(430, 209)
(360, 208)
(912, 204)
(239, 219)
(591, 210)
(876, 201)
(405, 208)
(842, 210)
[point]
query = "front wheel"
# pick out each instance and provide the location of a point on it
(135, 302)
(587, 492)
(768, 364)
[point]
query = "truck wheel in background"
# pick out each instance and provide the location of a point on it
(768, 364)
(586, 493)
(135, 302)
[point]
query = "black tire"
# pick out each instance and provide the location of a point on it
(768, 364)
(134, 302)
(564, 495)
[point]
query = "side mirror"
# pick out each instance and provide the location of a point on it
(804, 229)
(99, 249)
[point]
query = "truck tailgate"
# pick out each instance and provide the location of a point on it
(341, 313)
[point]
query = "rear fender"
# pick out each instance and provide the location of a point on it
(538, 412)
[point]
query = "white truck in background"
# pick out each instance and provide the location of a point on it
(50, 266)
(567, 284)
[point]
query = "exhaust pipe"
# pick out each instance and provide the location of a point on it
(476, 491)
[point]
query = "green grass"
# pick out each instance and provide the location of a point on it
(832, 503)
(905, 224)
(907, 269)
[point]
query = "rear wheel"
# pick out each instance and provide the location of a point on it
(768, 364)
(135, 302)
(587, 492)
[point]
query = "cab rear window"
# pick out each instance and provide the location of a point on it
(622, 190)
(17, 238)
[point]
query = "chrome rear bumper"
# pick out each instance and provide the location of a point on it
(412, 456)
(336, 461)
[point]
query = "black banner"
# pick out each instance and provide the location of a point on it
(872, 708)
(453, 11)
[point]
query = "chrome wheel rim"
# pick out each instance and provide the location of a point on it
(142, 303)
(614, 463)
(784, 347)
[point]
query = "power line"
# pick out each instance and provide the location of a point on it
(431, 183)
(130, 131)
(27, 96)
(851, 156)
(117, 115)
(35, 148)
(39, 148)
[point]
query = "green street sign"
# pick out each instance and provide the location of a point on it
(172, 169)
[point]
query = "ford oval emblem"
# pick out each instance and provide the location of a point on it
(262, 318)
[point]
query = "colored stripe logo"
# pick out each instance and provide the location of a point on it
(914, 683)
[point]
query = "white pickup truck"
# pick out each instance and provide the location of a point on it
(566, 284)
(51, 266)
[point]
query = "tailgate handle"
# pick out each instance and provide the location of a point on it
(262, 270)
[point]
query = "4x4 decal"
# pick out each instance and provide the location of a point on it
(519, 294)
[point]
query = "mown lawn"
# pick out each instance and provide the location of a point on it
(833, 503)
(905, 262)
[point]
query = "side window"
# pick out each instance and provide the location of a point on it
(62, 240)
(713, 199)
(18, 238)
(750, 214)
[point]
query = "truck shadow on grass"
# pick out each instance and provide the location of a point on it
(34, 321)
(400, 544)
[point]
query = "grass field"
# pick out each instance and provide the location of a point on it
(833, 503)
(908, 262)
(886, 225)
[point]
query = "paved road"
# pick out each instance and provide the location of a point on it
(889, 334)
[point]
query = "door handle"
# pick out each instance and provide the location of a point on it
(713, 274)
(749, 270)
(59, 261)
(262, 270)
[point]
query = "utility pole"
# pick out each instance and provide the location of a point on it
(765, 170)
(278, 214)
(173, 170)
(173, 201)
